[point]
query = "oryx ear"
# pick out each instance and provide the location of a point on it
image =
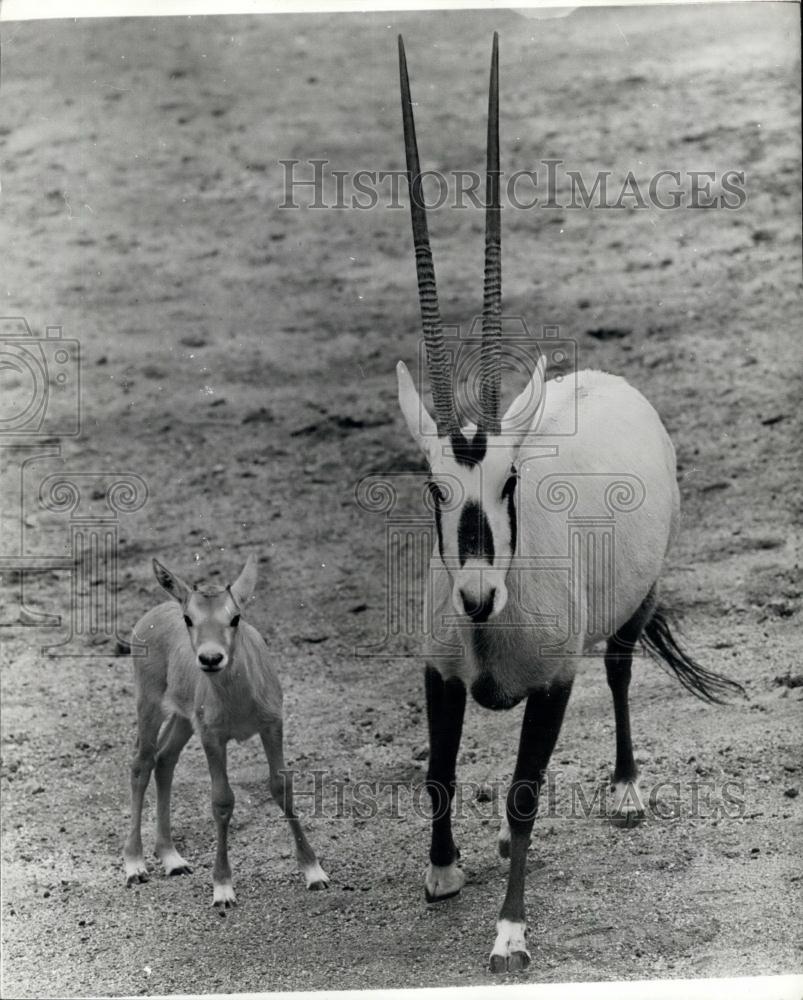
(177, 588)
(523, 413)
(242, 589)
(419, 422)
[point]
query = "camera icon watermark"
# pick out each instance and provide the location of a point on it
(40, 382)
(40, 403)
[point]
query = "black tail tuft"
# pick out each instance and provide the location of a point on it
(662, 646)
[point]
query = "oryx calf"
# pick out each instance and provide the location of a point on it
(500, 596)
(208, 670)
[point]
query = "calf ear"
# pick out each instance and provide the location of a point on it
(524, 412)
(243, 587)
(172, 584)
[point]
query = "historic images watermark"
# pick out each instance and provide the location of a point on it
(551, 184)
(578, 512)
(322, 795)
(40, 404)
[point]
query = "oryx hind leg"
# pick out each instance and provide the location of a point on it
(172, 741)
(628, 807)
(281, 788)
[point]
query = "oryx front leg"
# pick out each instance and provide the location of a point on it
(172, 742)
(446, 704)
(281, 788)
(543, 717)
(222, 810)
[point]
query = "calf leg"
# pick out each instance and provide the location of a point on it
(281, 788)
(446, 704)
(149, 719)
(222, 810)
(543, 716)
(172, 741)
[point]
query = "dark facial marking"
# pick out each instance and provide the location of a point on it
(474, 537)
(188, 621)
(469, 452)
(509, 494)
(437, 499)
(486, 692)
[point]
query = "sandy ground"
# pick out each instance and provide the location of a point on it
(240, 359)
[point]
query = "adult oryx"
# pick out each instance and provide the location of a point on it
(516, 617)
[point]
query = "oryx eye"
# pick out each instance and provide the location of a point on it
(235, 621)
(188, 621)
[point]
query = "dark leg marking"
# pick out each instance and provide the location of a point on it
(543, 716)
(618, 664)
(446, 703)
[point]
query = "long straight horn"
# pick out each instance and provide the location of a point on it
(491, 357)
(440, 372)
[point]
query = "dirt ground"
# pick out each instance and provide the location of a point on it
(239, 358)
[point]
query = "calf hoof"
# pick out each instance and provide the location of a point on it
(628, 808)
(136, 871)
(179, 870)
(173, 863)
(443, 882)
(316, 878)
(510, 952)
(223, 895)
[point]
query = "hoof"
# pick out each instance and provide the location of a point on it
(443, 882)
(136, 871)
(627, 819)
(518, 961)
(173, 862)
(224, 898)
(430, 898)
(316, 878)
(628, 809)
(179, 870)
(509, 952)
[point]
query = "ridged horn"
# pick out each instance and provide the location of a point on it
(440, 372)
(491, 355)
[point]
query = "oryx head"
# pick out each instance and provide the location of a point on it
(211, 618)
(477, 537)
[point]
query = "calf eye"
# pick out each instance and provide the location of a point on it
(187, 621)
(235, 621)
